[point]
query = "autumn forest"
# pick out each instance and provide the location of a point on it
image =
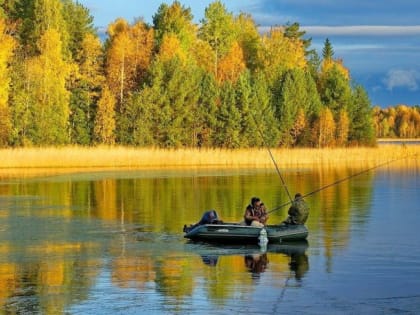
(173, 83)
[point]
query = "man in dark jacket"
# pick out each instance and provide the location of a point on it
(298, 212)
(255, 213)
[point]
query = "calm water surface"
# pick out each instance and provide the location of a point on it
(112, 243)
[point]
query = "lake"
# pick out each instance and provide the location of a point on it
(112, 243)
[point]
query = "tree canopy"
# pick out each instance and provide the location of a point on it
(174, 83)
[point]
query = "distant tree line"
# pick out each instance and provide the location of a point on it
(170, 84)
(397, 122)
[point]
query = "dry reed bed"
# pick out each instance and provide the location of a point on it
(126, 157)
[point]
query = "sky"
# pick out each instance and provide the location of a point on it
(378, 40)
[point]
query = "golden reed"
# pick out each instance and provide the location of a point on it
(75, 158)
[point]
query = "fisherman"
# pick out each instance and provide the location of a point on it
(255, 213)
(298, 211)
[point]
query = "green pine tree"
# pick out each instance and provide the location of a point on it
(228, 129)
(361, 119)
(205, 115)
(266, 121)
(327, 51)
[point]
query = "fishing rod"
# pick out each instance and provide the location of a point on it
(272, 158)
(342, 180)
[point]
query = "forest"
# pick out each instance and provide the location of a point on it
(220, 83)
(397, 122)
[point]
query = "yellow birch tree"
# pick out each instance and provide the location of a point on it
(171, 47)
(48, 74)
(342, 129)
(231, 65)
(279, 51)
(329, 63)
(6, 52)
(203, 55)
(105, 118)
(90, 61)
(299, 126)
(128, 56)
(325, 128)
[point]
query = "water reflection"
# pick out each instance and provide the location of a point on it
(210, 260)
(45, 286)
(257, 259)
(256, 263)
(59, 235)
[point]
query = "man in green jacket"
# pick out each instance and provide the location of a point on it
(298, 211)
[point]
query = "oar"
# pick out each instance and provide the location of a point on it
(342, 180)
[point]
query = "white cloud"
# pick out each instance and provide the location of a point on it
(402, 78)
(363, 30)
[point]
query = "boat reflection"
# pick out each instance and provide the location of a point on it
(256, 263)
(210, 260)
(256, 258)
(299, 264)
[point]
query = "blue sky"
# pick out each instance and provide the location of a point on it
(378, 40)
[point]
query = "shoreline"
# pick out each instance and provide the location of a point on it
(398, 140)
(74, 159)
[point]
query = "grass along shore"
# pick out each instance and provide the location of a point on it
(398, 140)
(104, 157)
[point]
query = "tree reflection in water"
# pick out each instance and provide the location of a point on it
(61, 234)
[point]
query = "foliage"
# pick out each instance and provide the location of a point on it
(86, 90)
(361, 128)
(105, 118)
(48, 14)
(264, 113)
(228, 126)
(176, 84)
(397, 122)
(334, 87)
(171, 47)
(249, 39)
(218, 29)
(249, 128)
(292, 31)
(128, 56)
(205, 115)
(174, 20)
(139, 116)
(232, 64)
(327, 51)
(170, 97)
(280, 53)
(324, 129)
(342, 130)
(6, 52)
(47, 75)
(79, 24)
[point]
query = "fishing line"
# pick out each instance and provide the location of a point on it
(342, 180)
(272, 158)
